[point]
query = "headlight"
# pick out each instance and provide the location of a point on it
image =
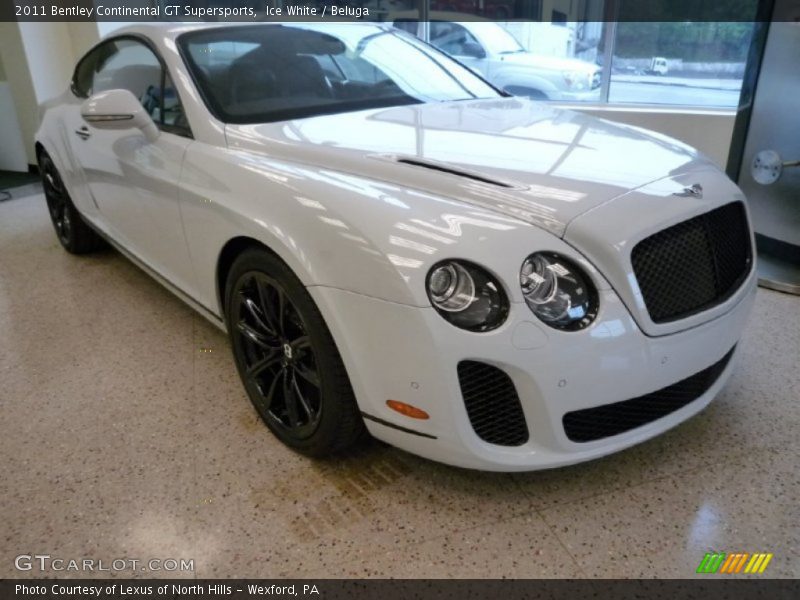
(576, 80)
(557, 291)
(467, 295)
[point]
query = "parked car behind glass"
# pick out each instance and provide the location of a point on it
(491, 51)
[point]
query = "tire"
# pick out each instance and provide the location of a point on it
(75, 235)
(289, 365)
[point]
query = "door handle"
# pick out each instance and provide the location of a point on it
(83, 133)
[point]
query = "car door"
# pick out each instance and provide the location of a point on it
(133, 183)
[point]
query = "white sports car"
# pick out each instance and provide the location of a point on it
(395, 246)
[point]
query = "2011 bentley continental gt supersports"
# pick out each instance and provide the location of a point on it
(395, 246)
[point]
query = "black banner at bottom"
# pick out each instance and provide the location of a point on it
(388, 589)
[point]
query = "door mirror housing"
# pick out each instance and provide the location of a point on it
(118, 109)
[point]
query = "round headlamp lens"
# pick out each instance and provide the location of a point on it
(467, 295)
(451, 287)
(537, 281)
(557, 291)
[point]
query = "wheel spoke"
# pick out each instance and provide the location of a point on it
(301, 343)
(281, 311)
(302, 399)
(261, 365)
(268, 308)
(254, 336)
(310, 375)
(290, 400)
(270, 395)
(255, 312)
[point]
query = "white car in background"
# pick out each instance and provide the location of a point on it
(394, 246)
(491, 51)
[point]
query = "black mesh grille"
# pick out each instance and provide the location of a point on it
(492, 404)
(611, 419)
(693, 265)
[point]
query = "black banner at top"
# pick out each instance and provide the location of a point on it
(390, 10)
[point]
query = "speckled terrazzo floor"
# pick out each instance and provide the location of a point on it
(126, 434)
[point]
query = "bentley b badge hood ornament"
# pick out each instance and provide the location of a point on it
(695, 191)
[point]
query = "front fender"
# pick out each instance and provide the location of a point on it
(514, 76)
(341, 230)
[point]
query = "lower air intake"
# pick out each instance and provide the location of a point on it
(492, 404)
(611, 419)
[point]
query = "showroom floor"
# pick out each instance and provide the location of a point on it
(126, 434)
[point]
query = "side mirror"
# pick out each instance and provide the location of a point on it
(118, 109)
(473, 50)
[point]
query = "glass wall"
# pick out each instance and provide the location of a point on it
(695, 64)
(573, 50)
(591, 51)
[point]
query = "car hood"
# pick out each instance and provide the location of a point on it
(528, 59)
(516, 157)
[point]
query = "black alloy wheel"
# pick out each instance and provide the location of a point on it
(56, 196)
(74, 234)
(278, 358)
(286, 357)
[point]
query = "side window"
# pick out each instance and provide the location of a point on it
(83, 79)
(172, 110)
(451, 37)
(130, 65)
(358, 71)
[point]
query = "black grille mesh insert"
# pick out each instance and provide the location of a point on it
(611, 419)
(693, 265)
(492, 404)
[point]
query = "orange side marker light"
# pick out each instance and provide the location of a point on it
(407, 410)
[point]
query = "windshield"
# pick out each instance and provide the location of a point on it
(263, 73)
(496, 39)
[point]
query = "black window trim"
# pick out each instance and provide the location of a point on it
(147, 42)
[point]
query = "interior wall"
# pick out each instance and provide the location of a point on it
(12, 150)
(50, 57)
(18, 76)
(82, 36)
(708, 131)
(38, 59)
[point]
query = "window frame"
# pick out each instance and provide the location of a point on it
(148, 43)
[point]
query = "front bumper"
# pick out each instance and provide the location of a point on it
(590, 95)
(410, 354)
